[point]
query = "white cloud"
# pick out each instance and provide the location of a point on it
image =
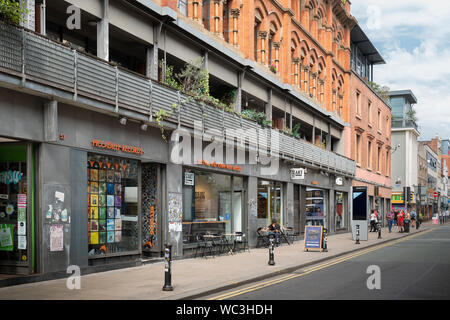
(413, 36)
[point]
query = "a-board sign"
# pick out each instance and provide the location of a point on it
(313, 238)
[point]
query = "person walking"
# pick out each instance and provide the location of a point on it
(400, 218)
(413, 215)
(373, 221)
(419, 220)
(407, 222)
(390, 220)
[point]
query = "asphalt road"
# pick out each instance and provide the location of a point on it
(414, 268)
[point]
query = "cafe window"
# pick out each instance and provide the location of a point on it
(212, 204)
(270, 201)
(316, 207)
(112, 205)
(340, 208)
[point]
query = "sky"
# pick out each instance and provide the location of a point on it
(413, 37)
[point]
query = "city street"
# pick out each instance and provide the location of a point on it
(411, 268)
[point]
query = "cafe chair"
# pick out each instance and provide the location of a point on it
(240, 239)
(261, 240)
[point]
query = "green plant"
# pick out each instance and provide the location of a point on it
(160, 117)
(194, 79)
(383, 91)
(12, 11)
(295, 131)
(259, 117)
(411, 114)
(169, 76)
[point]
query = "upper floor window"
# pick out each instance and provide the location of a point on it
(358, 103)
(369, 111)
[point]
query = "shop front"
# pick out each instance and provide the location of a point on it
(16, 207)
(213, 203)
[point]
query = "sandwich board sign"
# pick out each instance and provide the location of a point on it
(313, 238)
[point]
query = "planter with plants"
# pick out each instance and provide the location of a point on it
(12, 12)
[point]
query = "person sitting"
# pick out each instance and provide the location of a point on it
(275, 230)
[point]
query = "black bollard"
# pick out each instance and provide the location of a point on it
(379, 230)
(271, 250)
(168, 269)
(325, 240)
(357, 234)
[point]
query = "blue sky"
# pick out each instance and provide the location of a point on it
(413, 36)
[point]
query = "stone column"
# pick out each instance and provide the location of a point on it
(103, 32)
(276, 46)
(296, 63)
(262, 36)
(235, 14)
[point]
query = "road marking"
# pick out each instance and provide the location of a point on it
(313, 269)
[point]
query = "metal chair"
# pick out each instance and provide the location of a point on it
(243, 241)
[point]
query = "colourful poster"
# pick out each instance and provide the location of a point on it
(102, 237)
(118, 224)
(102, 188)
(102, 213)
(110, 224)
(102, 200)
(102, 225)
(118, 236)
(117, 201)
(110, 237)
(117, 213)
(94, 200)
(94, 238)
(94, 213)
(94, 225)
(110, 213)
(110, 201)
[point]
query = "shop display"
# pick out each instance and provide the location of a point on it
(108, 178)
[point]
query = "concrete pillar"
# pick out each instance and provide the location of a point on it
(238, 101)
(289, 207)
(252, 209)
(152, 54)
(269, 105)
(51, 121)
(103, 33)
(174, 208)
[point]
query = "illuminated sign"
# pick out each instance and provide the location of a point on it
(117, 147)
(219, 165)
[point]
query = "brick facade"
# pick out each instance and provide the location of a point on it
(307, 41)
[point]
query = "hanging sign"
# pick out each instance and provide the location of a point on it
(313, 238)
(298, 173)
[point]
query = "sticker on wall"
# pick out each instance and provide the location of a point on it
(2, 215)
(4, 196)
(9, 209)
(64, 215)
(22, 243)
(56, 238)
(21, 228)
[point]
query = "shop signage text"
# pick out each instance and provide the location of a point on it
(219, 165)
(298, 173)
(116, 147)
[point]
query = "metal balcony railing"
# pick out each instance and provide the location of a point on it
(31, 56)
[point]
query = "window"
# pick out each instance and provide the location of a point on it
(388, 161)
(369, 155)
(358, 146)
(316, 207)
(358, 103)
(270, 201)
(369, 111)
(212, 203)
(379, 160)
(113, 199)
(379, 120)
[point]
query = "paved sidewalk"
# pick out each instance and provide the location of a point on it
(191, 277)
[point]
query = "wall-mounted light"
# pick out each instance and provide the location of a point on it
(123, 121)
(144, 127)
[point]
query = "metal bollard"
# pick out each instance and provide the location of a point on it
(325, 240)
(168, 269)
(357, 234)
(271, 250)
(379, 230)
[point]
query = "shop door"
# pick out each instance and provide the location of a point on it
(151, 208)
(16, 208)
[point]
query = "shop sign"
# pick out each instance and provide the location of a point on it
(313, 237)
(189, 178)
(339, 181)
(298, 173)
(396, 198)
(219, 165)
(117, 147)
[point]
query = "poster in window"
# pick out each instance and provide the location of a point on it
(93, 174)
(110, 201)
(110, 237)
(94, 200)
(102, 188)
(110, 213)
(102, 201)
(6, 237)
(94, 213)
(117, 213)
(102, 213)
(101, 175)
(117, 189)
(117, 236)
(118, 224)
(93, 238)
(110, 224)
(94, 225)
(22, 242)
(102, 237)
(117, 201)
(56, 238)
(117, 177)
(110, 176)
(102, 225)
(110, 188)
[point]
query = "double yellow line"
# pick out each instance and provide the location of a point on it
(312, 269)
